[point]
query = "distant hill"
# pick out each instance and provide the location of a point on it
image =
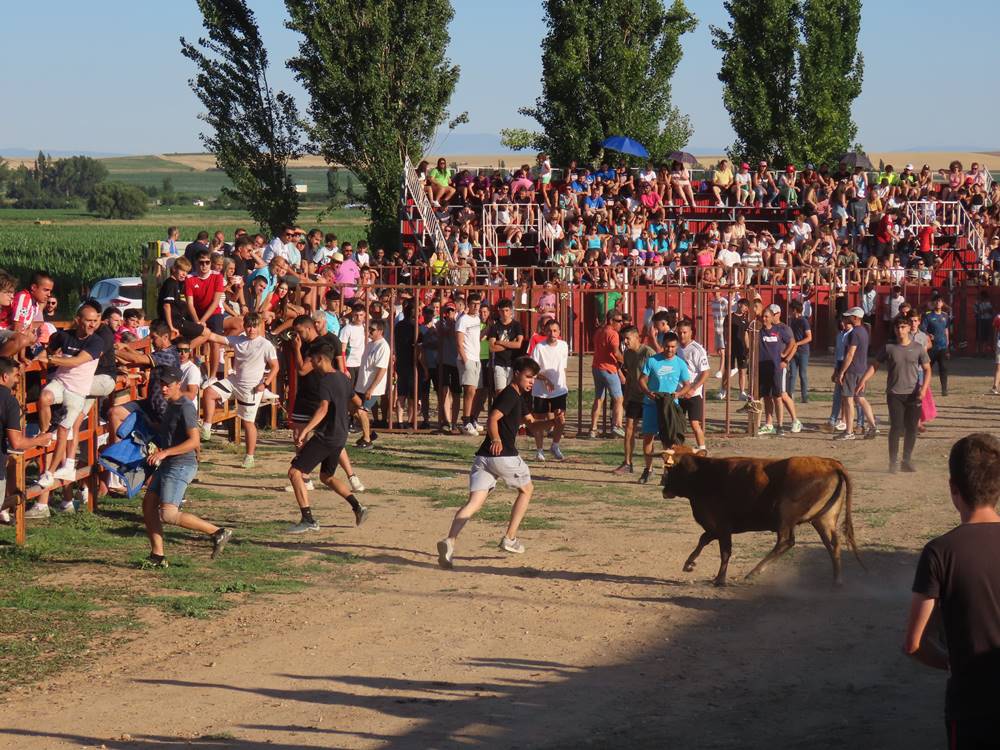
(31, 153)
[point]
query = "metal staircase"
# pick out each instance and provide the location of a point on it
(430, 228)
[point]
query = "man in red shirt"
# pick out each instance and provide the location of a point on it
(926, 236)
(607, 379)
(25, 312)
(204, 290)
(885, 236)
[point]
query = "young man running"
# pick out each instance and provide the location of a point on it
(958, 574)
(255, 369)
(636, 354)
(696, 359)
(329, 427)
(497, 458)
(549, 388)
(175, 464)
(665, 375)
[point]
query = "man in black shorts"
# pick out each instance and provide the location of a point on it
(737, 353)
(959, 575)
(323, 449)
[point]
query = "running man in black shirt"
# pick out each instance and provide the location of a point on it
(334, 394)
(497, 458)
(959, 573)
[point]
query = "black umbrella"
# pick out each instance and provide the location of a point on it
(683, 157)
(856, 159)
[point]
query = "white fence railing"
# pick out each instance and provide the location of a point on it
(430, 227)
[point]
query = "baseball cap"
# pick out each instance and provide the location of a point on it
(909, 165)
(790, 168)
(854, 312)
(337, 258)
(744, 165)
(774, 309)
(168, 374)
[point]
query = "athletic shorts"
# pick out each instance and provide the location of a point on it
(369, 404)
(850, 384)
(470, 373)
(548, 405)
(607, 382)
(633, 410)
(74, 402)
(694, 407)
(720, 339)
(189, 329)
(171, 480)
(214, 323)
(451, 380)
(738, 354)
(771, 379)
(486, 470)
(318, 451)
(247, 402)
(502, 376)
(353, 372)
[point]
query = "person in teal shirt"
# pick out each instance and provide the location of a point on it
(663, 373)
(936, 324)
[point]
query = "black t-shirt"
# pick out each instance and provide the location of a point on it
(172, 293)
(307, 392)
(512, 405)
(505, 332)
(962, 571)
(70, 344)
(192, 250)
(106, 365)
(738, 344)
(10, 419)
(179, 418)
(404, 338)
(336, 389)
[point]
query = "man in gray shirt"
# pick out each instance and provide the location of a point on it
(904, 390)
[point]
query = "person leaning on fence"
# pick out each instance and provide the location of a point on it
(12, 437)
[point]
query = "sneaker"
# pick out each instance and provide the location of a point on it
(618, 431)
(154, 561)
(557, 453)
(841, 426)
(268, 395)
(779, 431)
(540, 455)
(360, 515)
(302, 527)
(718, 374)
(5, 517)
(446, 549)
(66, 506)
(796, 426)
(45, 480)
(511, 545)
(446, 428)
(309, 486)
(479, 428)
(37, 510)
(644, 477)
(744, 396)
(365, 446)
(591, 435)
(720, 396)
(766, 429)
(995, 391)
(219, 540)
(206, 432)
(248, 462)
(470, 429)
(845, 435)
(373, 436)
(355, 483)
(425, 425)
(871, 433)
(624, 469)
(907, 467)
(66, 472)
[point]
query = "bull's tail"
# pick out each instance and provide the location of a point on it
(845, 481)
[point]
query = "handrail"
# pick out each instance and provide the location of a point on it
(430, 224)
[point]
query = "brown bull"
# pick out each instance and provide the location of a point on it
(732, 495)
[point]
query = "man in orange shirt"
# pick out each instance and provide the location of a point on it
(607, 378)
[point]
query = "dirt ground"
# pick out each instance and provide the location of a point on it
(593, 638)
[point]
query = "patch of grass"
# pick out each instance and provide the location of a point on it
(340, 558)
(199, 606)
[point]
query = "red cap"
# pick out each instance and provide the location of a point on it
(744, 165)
(790, 168)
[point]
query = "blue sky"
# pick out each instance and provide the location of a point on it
(108, 75)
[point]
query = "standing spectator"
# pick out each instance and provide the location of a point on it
(844, 325)
(373, 379)
(851, 376)
(996, 372)
(983, 310)
(204, 290)
(352, 336)
(409, 387)
(467, 345)
(634, 362)
(720, 309)
(958, 574)
(605, 369)
(550, 390)
(11, 436)
(775, 350)
(799, 364)
(506, 337)
(664, 377)
(696, 359)
(936, 324)
(450, 387)
(168, 246)
(738, 350)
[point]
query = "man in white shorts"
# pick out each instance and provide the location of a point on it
(467, 335)
(255, 368)
(497, 458)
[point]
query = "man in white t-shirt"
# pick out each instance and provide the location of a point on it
(549, 391)
(467, 336)
(373, 379)
(255, 369)
(191, 379)
(352, 337)
(696, 359)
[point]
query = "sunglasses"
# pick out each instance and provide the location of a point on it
(183, 351)
(204, 262)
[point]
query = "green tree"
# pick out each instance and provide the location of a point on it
(255, 129)
(829, 79)
(606, 70)
(116, 200)
(334, 192)
(379, 84)
(758, 75)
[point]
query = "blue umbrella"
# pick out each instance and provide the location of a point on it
(626, 145)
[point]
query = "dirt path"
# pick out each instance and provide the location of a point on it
(593, 638)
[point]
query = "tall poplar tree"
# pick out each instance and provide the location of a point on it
(606, 70)
(379, 84)
(255, 129)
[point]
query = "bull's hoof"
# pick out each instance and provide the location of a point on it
(688, 567)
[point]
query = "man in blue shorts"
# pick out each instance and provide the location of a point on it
(775, 351)
(662, 378)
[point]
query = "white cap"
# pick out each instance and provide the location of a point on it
(909, 166)
(854, 312)
(774, 309)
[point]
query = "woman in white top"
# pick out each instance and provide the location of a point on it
(680, 179)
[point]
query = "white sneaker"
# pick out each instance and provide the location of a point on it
(206, 432)
(268, 395)
(479, 428)
(5, 518)
(38, 511)
(446, 550)
(66, 506)
(66, 472)
(734, 372)
(302, 527)
(557, 453)
(45, 480)
(512, 545)
(540, 455)
(744, 396)
(470, 429)
(718, 374)
(721, 396)
(796, 426)
(356, 483)
(309, 486)
(248, 462)
(841, 426)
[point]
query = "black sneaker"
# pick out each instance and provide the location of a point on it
(360, 515)
(219, 540)
(373, 435)
(446, 428)
(425, 425)
(779, 432)
(871, 433)
(365, 446)
(644, 477)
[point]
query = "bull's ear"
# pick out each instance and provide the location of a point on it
(668, 457)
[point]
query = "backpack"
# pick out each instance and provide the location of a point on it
(126, 459)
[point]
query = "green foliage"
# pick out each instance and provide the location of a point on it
(791, 71)
(520, 139)
(52, 183)
(256, 129)
(606, 70)
(116, 200)
(378, 82)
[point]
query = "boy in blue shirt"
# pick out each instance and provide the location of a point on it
(665, 375)
(935, 325)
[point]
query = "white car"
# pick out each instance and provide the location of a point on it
(124, 293)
